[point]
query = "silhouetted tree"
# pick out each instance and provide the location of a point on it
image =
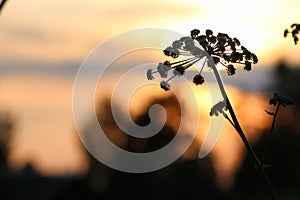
(193, 178)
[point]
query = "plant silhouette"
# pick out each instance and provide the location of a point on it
(294, 31)
(222, 48)
(228, 52)
(2, 3)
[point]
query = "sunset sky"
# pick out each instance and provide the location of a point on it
(37, 36)
(64, 31)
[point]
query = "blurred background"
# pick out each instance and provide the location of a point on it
(43, 44)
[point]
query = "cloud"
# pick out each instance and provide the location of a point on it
(155, 10)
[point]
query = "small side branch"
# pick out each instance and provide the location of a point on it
(268, 144)
(239, 130)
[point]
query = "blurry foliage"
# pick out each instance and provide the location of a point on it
(6, 131)
(6, 134)
(284, 167)
(134, 144)
(283, 158)
(185, 179)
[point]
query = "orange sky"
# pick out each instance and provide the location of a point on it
(44, 132)
(67, 30)
(52, 31)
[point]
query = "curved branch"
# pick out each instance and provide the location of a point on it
(2, 4)
(239, 130)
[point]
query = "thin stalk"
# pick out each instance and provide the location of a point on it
(239, 130)
(181, 61)
(171, 78)
(191, 63)
(268, 144)
(184, 62)
(2, 4)
(230, 121)
(251, 152)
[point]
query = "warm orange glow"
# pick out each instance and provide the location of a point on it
(68, 30)
(50, 32)
(250, 110)
(44, 130)
(228, 152)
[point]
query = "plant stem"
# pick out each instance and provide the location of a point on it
(268, 144)
(239, 130)
(259, 165)
(2, 4)
(230, 121)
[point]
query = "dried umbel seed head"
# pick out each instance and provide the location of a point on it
(294, 31)
(226, 50)
(179, 71)
(198, 79)
(230, 70)
(164, 85)
(173, 52)
(280, 100)
(222, 48)
(149, 74)
(247, 66)
(195, 33)
(218, 109)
